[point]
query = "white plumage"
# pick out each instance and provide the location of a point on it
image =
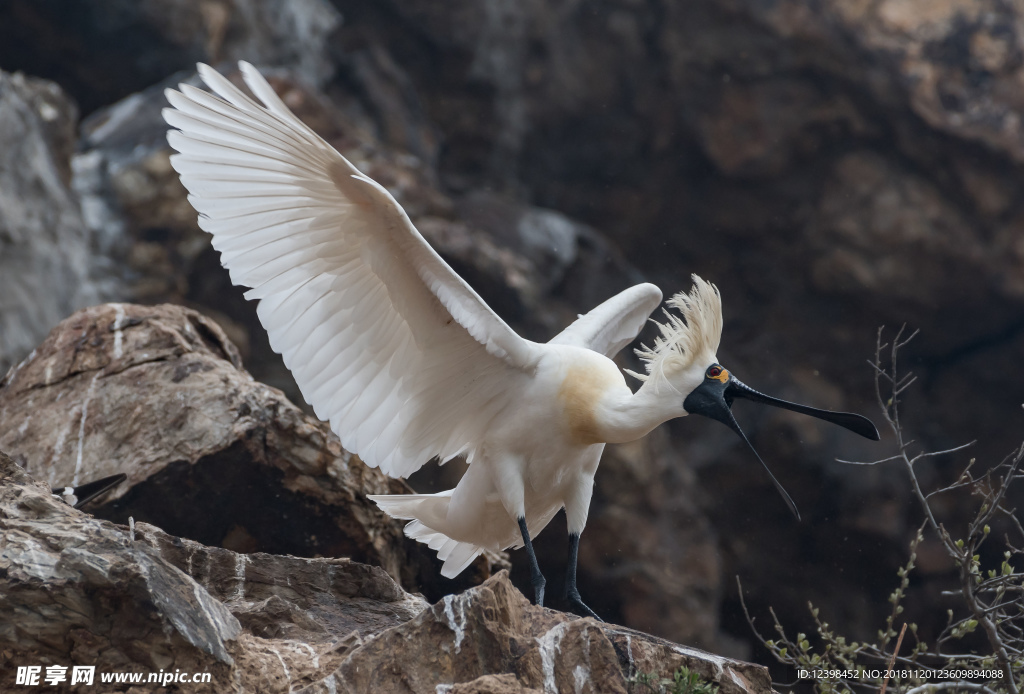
(401, 356)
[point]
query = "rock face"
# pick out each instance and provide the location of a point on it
(76, 590)
(158, 393)
(46, 263)
(103, 51)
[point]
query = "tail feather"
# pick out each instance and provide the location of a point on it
(410, 506)
(424, 510)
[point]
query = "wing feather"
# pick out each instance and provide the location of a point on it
(614, 323)
(385, 341)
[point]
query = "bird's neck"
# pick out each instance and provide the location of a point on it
(625, 416)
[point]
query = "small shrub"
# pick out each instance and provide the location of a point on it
(683, 681)
(990, 597)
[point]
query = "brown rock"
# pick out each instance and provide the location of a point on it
(118, 603)
(493, 684)
(76, 590)
(159, 394)
(493, 628)
(879, 225)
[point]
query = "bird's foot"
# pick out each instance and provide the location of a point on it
(538, 591)
(579, 607)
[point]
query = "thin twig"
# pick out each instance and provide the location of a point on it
(888, 669)
(869, 462)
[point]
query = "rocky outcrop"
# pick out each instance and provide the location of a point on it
(158, 393)
(76, 590)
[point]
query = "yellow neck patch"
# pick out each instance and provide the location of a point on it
(580, 392)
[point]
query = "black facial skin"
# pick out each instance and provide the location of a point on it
(714, 399)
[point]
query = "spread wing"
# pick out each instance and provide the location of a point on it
(614, 323)
(385, 341)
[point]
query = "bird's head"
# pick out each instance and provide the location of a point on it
(713, 398)
(683, 362)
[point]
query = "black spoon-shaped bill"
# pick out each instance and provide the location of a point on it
(848, 420)
(714, 397)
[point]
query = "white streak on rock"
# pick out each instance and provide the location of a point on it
(581, 673)
(735, 677)
(460, 627)
(287, 675)
(443, 688)
(240, 561)
(312, 653)
(580, 676)
(718, 661)
(58, 450)
(118, 335)
(81, 427)
(549, 646)
(14, 371)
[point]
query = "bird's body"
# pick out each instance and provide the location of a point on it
(558, 405)
(406, 361)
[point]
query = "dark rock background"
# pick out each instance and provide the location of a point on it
(831, 165)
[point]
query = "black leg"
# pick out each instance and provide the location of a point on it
(536, 577)
(571, 593)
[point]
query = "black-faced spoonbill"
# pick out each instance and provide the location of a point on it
(408, 363)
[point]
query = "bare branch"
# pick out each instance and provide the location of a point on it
(932, 454)
(869, 462)
(989, 605)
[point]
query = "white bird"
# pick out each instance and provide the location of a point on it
(407, 362)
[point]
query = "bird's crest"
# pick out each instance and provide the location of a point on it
(691, 334)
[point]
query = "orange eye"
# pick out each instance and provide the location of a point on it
(715, 372)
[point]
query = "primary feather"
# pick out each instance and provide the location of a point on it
(370, 320)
